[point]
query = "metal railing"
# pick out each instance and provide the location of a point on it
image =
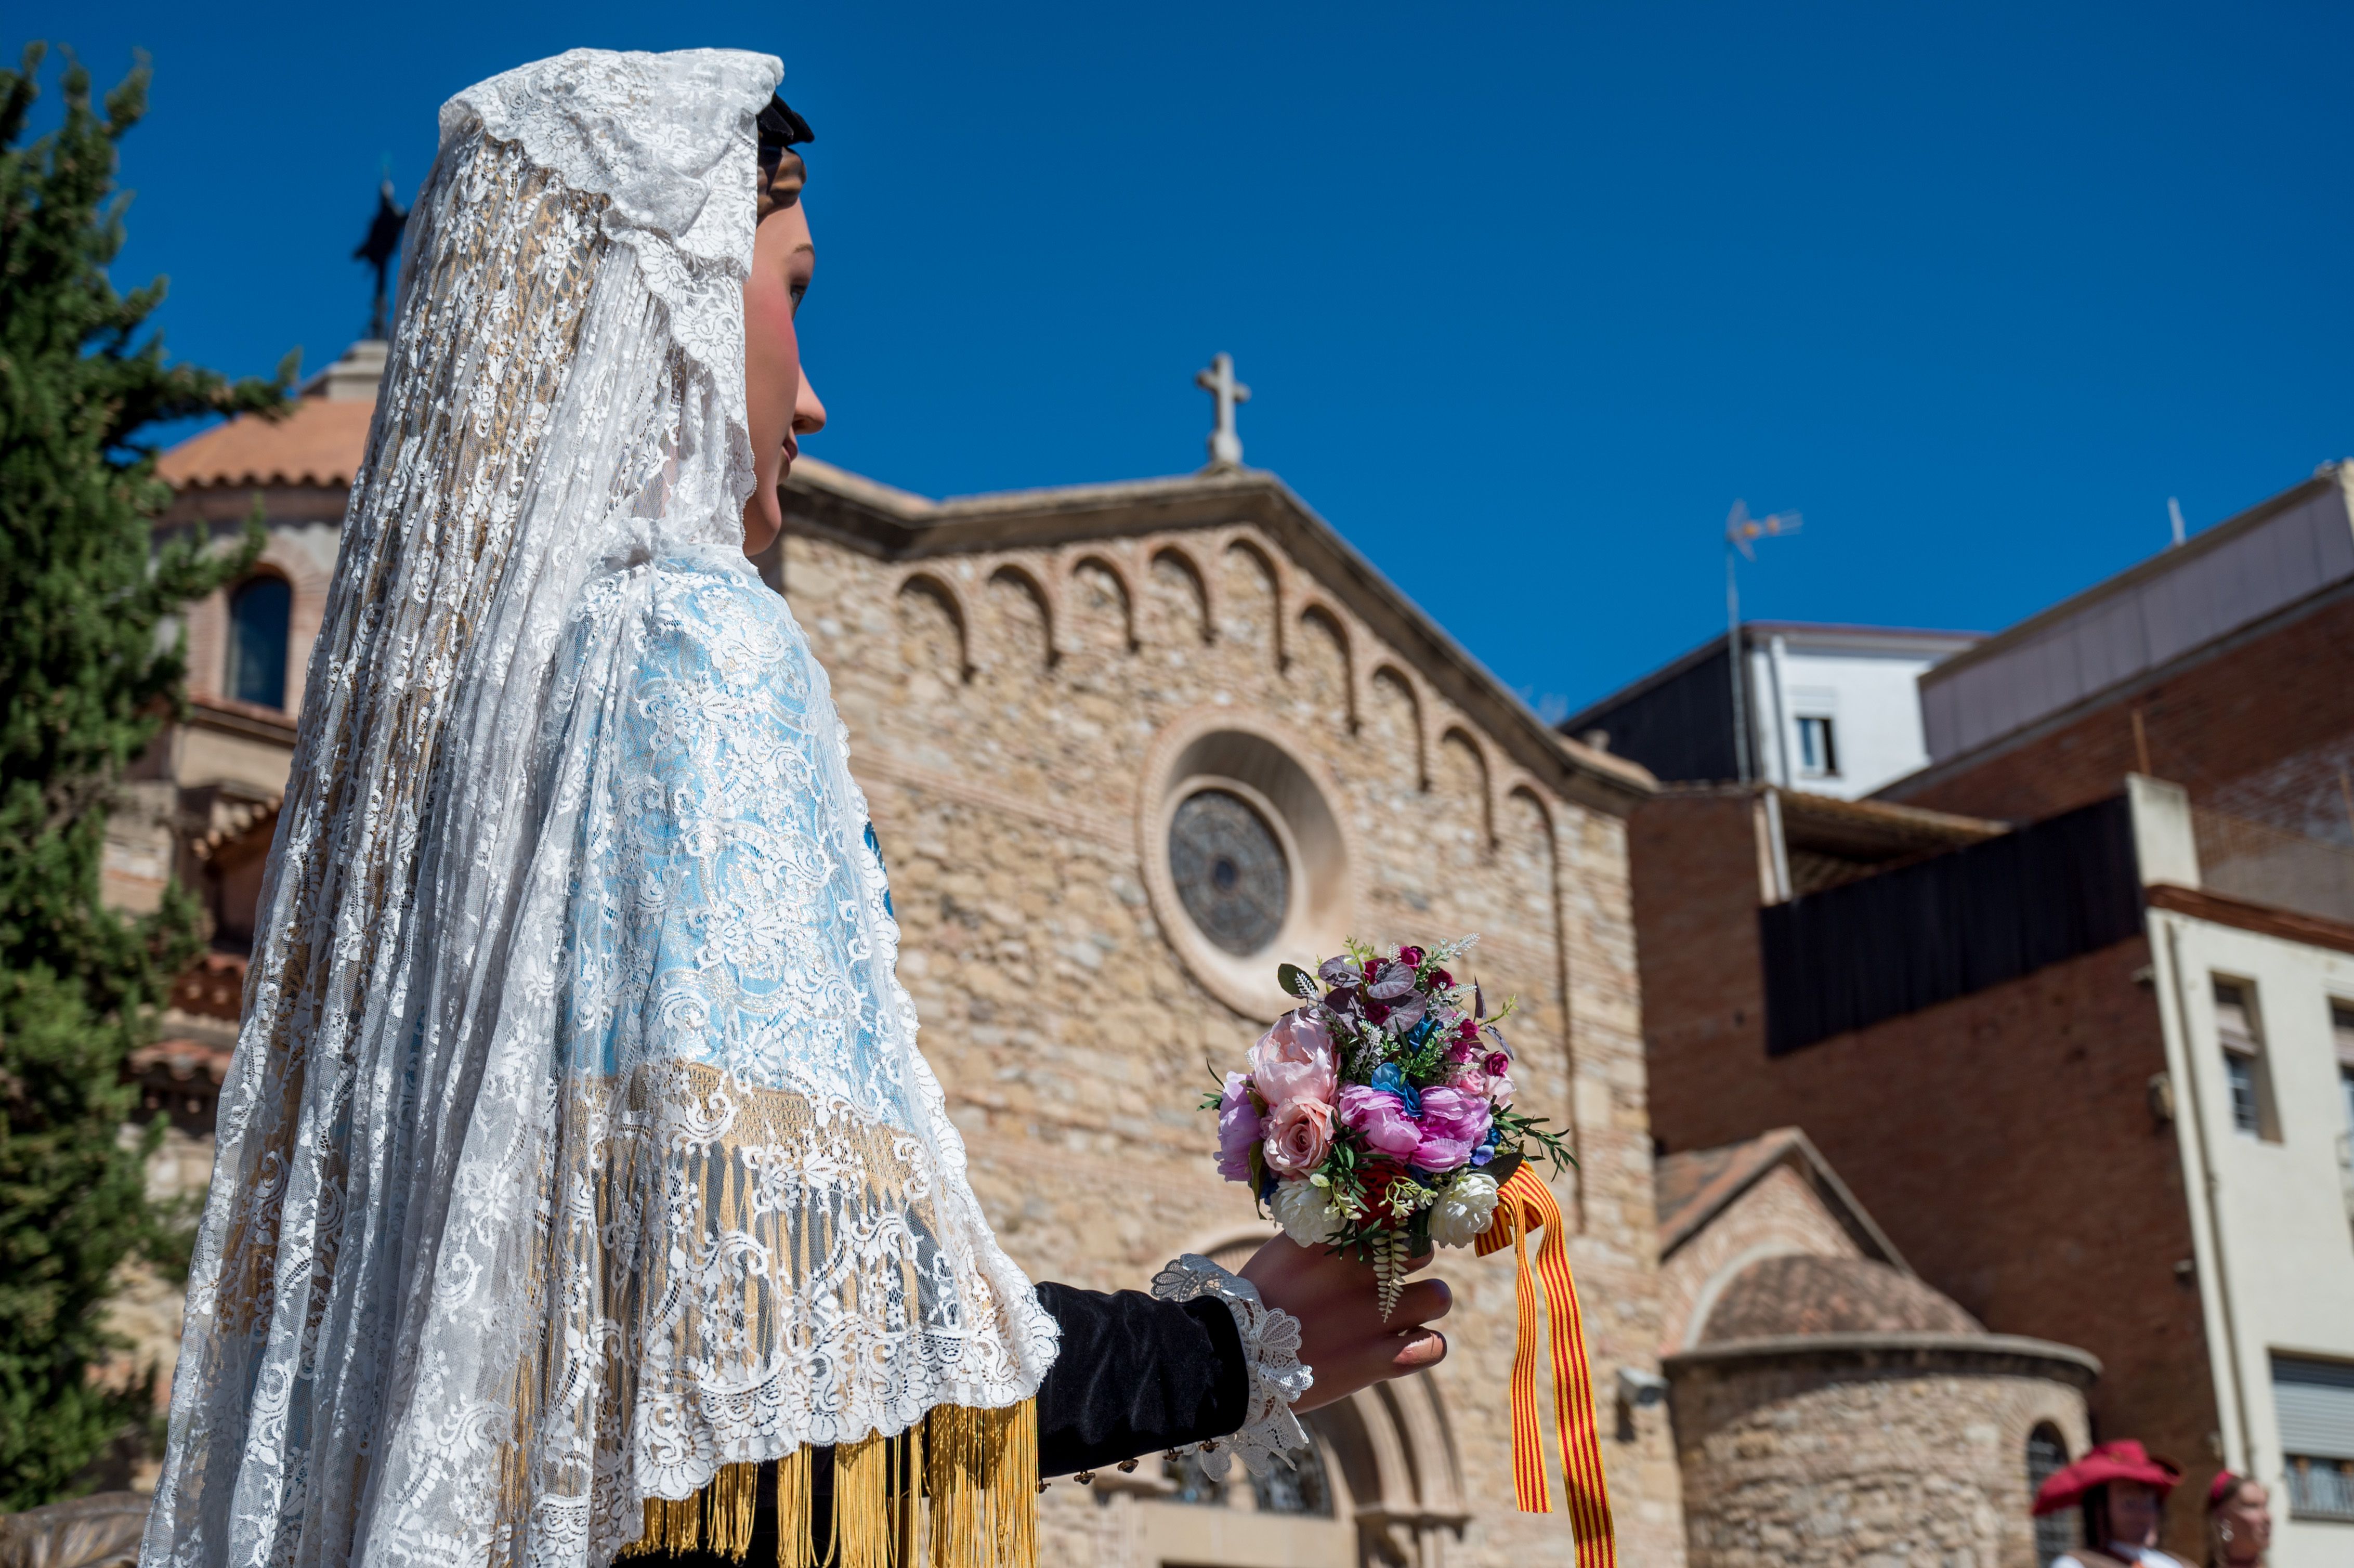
(2242, 858)
(2320, 1489)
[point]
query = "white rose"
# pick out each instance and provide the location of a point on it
(1306, 1213)
(1464, 1210)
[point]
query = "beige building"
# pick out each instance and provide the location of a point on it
(1125, 746)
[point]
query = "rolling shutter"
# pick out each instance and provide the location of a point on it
(2315, 1402)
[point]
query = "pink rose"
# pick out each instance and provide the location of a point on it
(1238, 1128)
(1294, 1061)
(1299, 1136)
(1380, 1119)
(1453, 1123)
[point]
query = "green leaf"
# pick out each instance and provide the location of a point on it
(89, 673)
(1296, 982)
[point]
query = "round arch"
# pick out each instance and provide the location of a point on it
(1387, 1487)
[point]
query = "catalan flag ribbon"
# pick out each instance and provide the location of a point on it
(1524, 1203)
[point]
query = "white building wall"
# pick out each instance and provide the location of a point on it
(1872, 699)
(2270, 1214)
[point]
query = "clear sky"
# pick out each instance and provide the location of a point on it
(1527, 296)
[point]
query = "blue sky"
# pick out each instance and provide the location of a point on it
(1527, 295)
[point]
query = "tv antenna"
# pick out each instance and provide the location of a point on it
(1740, 533)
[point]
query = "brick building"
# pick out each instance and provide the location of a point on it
(2225, 664)
(2084, 1042)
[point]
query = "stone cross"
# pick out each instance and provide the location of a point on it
(1218, 381)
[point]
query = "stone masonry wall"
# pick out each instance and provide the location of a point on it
(1002, 709)
(1819, 1461)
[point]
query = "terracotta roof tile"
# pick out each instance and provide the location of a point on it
(1696, 1183)
(320, 442)
(1777, 1297)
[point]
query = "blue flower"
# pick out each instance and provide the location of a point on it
(1389, 1078)
(1487, 1149)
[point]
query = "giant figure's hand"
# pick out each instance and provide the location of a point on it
(1343, 1338)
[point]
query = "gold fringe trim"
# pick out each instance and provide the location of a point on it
(957, 1489)
(980, 1472)
(795, 1549)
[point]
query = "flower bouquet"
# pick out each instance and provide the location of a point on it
(1377, 1117)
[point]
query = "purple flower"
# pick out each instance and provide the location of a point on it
(1453, 1123)
(1239, 1128)
(1381, 1120)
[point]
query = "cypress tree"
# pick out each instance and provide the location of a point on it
(90, 665)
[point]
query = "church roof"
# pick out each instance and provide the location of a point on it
(318, 441)
(895, 524)
(1694, 1187)
(1776, 1297)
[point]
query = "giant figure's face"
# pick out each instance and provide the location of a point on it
(780, 403)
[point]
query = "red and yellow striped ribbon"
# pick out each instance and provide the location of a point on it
(1525, 1203)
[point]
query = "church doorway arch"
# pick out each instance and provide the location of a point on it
(1383, 1488)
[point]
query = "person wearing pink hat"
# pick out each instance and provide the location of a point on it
(2239, 1523)
(2121, 1490)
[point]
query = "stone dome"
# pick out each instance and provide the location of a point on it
(1777, 1298)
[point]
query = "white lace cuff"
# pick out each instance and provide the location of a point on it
(1270, 1345)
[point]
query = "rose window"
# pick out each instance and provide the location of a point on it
(1230, 870)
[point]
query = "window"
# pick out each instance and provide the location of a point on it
(1298, 1488)
(1190, 1483)
(2239, 1033)
(257, 611)
(1817, 748)
(2047, 1455)
(2315, 1402)
(1230, 870)
(2341, 1027)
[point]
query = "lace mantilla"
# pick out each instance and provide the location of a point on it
(1270, 1344)
(577, 1142)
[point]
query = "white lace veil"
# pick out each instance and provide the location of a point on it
(566, 1158)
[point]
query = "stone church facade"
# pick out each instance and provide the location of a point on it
(1125, 746)
(1036, 686)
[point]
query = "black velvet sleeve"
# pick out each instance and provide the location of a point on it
(1136, 1374)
